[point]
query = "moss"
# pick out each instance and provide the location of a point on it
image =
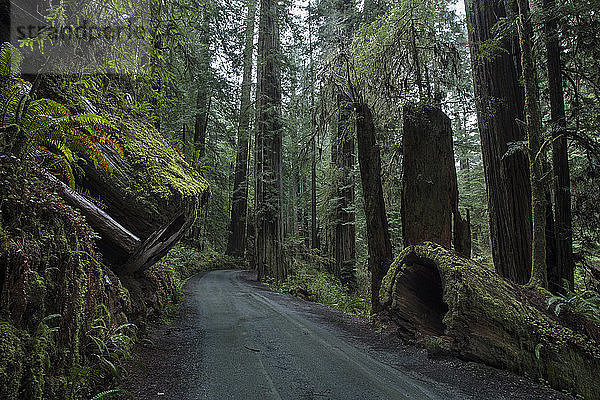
(491, 320)
(11, 361)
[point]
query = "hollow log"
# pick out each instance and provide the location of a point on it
(454, 305)
(150, 197)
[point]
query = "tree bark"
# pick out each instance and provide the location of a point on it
(563, 228)
(533, 118)
(268, 193)
(239, 204)
(429, 184)
(499, 101)
(345, 231)
(378, 236)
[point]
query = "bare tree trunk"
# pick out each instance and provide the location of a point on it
(378, 236)
(345, 233)
(533, 117)
(500, 102)
(268, 194)
(563, 228)
(237, 235)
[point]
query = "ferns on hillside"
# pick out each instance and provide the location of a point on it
(47, 128)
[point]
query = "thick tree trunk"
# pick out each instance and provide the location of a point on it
(500, 102)
(533, 118)
(268, 193)
(239, 204)
(563, 228)
(345, 231)
(5, 26)
(452, 305)
(429, 185)
(378, 236)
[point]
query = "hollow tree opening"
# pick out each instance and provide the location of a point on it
(419, 298)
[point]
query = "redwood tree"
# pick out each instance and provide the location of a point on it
(499, 100)
(268, 163)
(239, 204)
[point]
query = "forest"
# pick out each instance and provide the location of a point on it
(430, 168)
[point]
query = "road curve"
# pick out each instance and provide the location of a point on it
(237, 340)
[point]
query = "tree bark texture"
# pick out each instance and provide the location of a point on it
(378, 236)
(268, 193)
(239, 204)
(345, 231)
(455, 306)
(533, 118)
(499, 100)
(563, 222)
(429, 183)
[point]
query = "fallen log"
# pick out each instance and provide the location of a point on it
(150, 196)
(456, 306)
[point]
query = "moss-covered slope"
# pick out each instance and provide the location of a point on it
(455, 305)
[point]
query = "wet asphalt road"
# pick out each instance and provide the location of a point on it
(237, 340)
(256, 347)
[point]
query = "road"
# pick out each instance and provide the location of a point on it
(237, 340)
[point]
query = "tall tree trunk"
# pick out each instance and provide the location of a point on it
(345, 233)
(314, 229)
(533, 118)
(203, 97)
(239, 204)
(378, 236)
(268, 193)
(560, 159)
(500, 102)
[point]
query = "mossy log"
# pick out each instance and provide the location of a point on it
(457, 306)
(150, 192)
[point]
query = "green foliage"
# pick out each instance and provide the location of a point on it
(309, 281)
(585, 304)
(46, 128)
(110, 343)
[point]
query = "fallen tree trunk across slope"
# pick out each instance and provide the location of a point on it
(150, 198)
(457, 306)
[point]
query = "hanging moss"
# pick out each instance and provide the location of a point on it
(486, 318)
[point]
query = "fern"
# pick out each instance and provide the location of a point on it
(46, 127)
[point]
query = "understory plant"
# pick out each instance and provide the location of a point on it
(585, 304)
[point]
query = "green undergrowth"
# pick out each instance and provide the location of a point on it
(309, 283)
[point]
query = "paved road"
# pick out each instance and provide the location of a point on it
(237, 340)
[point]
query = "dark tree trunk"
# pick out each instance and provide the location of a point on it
(378, 236)
(345, 233)
(268, 193)
(239, 204)
(563, 229)
(429, 185)
(500, 103)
